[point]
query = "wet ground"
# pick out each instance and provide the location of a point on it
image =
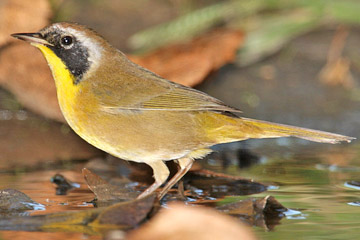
(319, 186)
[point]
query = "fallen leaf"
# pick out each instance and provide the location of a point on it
(189, 63)
(12, 201)
(108, 192)
(217, 185)
(262, 212)
(122, 215)
(22, 16)
(24, 72)
(127, 214)
(185, 223)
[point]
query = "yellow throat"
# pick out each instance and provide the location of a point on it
(64, 80)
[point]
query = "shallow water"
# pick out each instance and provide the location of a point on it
(314, 184)
(313, 181)
(37, 185)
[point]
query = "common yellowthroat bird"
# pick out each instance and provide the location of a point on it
(134, 114)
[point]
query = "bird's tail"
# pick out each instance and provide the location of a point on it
(263, 129)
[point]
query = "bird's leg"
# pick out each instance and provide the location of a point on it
(161, 173)
(185, 165)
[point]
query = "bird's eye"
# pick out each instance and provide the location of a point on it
(66, 41)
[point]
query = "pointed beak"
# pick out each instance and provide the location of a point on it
(34, 38)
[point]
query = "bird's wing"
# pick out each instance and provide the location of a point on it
(160, 95)
(181, 98)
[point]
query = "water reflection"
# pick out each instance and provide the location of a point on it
(353, 184)
(294, 214)
(38, 186)
(356, 204)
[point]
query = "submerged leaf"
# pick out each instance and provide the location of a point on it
(127, 213)
(121, 215)
(218, 185)
(105, 191)
(12, 200)
(263, 212)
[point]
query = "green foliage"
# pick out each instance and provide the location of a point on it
(192, 24)
(273, 32)
(269, 24)
(346, 12)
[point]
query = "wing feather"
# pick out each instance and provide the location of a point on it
(145, 90)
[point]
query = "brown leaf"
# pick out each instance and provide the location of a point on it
(72, 221)
(105, 191)
(185, 223)
(189, 63)
(127, 213)
(123, 215)
(12, 200)
(22, 16)
(220, 185)
(24, 72)
(263, 212)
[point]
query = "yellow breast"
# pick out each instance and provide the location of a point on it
(73, 100)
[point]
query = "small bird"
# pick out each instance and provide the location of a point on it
(134, 114)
